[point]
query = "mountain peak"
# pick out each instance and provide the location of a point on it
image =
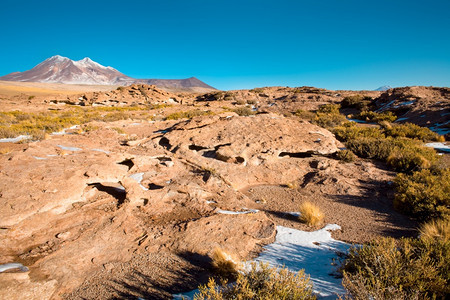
(60, 69)
(86, 59)
(57, 58)
(383, 88)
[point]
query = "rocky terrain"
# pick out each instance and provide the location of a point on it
(136, 212)
(424, 106)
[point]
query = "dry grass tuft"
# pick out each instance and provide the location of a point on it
(224, 264)
(311, 214)
(436, 229)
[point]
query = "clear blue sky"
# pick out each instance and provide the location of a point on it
(345, 44)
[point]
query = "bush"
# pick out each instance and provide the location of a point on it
(305, 114)
(224, 264)
(311, 214)
(329, 120)
(244, 111)
(371, 116)
(346, 156)
(424, 194)
(393, 269)
(409, 156)
(261, 282)
(412, 131)
(351, 131)
(329, 109)
(369, 147)
(436, 230)
(357, 101)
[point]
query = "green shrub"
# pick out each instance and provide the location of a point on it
(351, 131)
(244, 111)
(328, 116)
(371, 116)
(329, 109)
(329, 120)
(403, 155)
(305, 114)
(346, 156)
(369, 147)
(424, 194)
(395, 269)
(357, 101)
(261, 282)
(412, 131)
(410, 156)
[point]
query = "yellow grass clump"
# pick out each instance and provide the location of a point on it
(224, 264)
(436, 229)
(311, 214)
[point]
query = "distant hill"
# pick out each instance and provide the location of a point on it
(59, 69)
(383, 88)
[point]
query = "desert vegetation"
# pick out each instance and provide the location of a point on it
(224, 264)
(37, 124)
(260, 282)
(311, 214)
(407, 268)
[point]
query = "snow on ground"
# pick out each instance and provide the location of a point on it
(315, 252)
(405, 103)
(101, 150)
(359, 121)
(10, 266)
(138, 177)
(401, 119)
(69, 148)
(64, 131)
(229, 212)
(40, 158)
(16, 139)
(438, 128)
(439, 146)
(385, 106)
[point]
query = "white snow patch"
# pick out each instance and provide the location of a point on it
(294, 214)
(401, 119)
(64, 131)
(40, 158)
(69, 148)
(138, 178)
(405, 103)
(10, 266)
(439, 146)
(442, 131)
(16, 139)
(229, 212)
(358, 121)
(101, 150)
(386, 106)
(312, 251)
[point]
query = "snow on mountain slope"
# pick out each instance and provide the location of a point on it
(59, 69)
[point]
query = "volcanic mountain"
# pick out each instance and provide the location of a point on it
(59, 69)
